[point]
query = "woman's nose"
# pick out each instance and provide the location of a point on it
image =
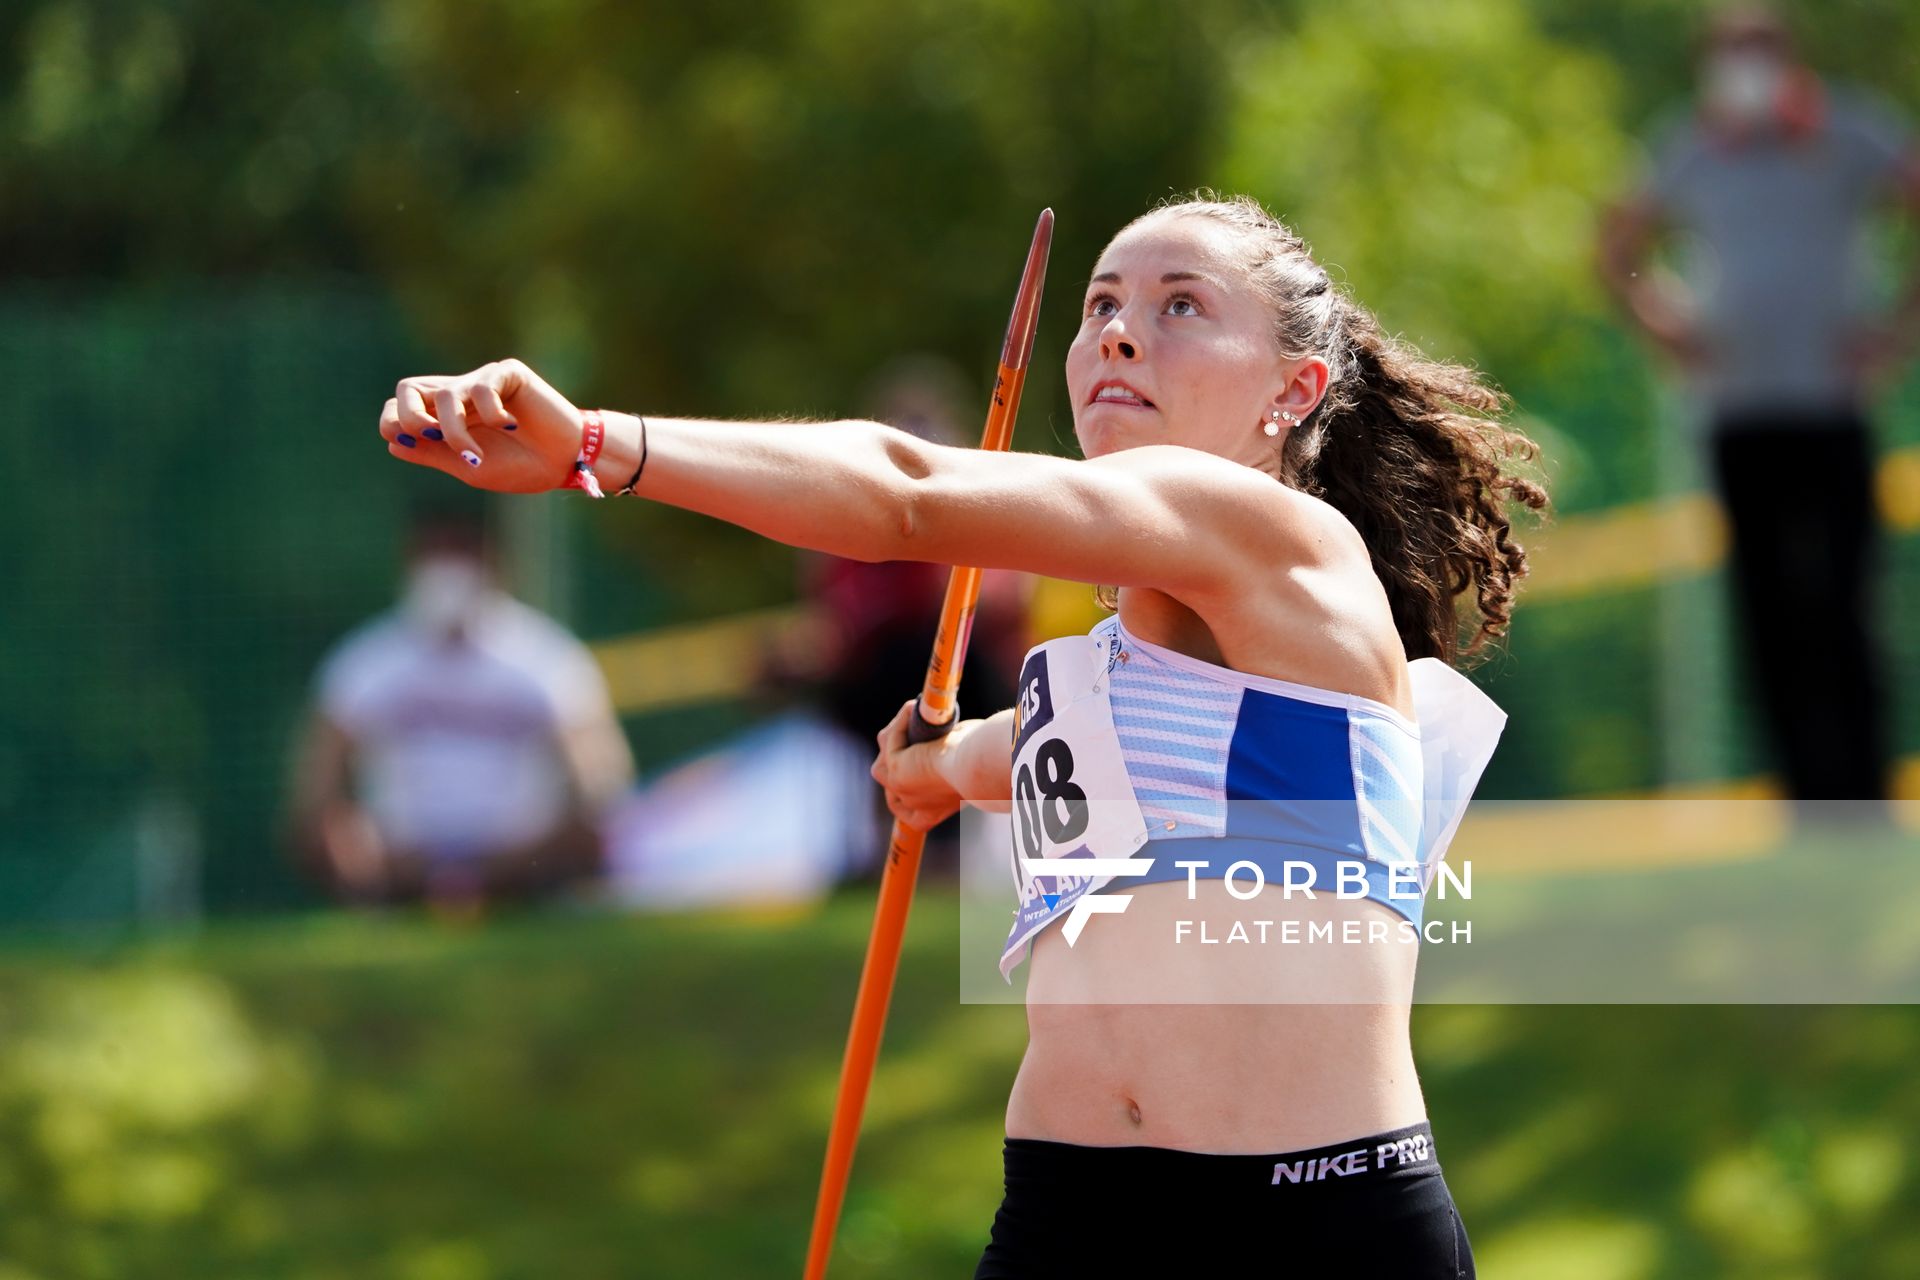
(1117, 343)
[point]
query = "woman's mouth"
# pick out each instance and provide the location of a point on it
(1113, 391)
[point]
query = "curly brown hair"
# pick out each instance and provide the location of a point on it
(1410, 450)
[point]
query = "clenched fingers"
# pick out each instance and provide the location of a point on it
(449, 405)
(410, 445)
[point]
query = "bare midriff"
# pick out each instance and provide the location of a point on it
(1144, 1035)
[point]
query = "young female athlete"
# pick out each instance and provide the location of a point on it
(1289, 503)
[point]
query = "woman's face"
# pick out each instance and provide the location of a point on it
(1176, 347)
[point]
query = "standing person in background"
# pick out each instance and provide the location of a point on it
(462, 746)
(1778, 175)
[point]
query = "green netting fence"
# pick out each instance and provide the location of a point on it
(200, 508)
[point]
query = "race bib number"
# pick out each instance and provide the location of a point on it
(1071, 794)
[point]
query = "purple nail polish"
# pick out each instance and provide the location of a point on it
(404, 440)
(434, 433)
(511, 426)
(471, 458)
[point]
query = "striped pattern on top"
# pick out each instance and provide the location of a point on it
(1304, 765)
(1175, 729)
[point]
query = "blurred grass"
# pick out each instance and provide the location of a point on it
(585, 1097)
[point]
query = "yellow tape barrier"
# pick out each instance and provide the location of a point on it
(1617, 549)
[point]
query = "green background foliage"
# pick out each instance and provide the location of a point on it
(227, 229)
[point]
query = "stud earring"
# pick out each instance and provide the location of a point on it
(1273, 428)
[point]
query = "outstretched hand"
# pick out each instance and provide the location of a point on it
(500, 427)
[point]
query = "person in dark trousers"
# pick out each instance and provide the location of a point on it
(1776, 175)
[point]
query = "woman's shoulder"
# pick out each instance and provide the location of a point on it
(1308, 636)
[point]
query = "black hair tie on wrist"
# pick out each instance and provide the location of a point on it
(643, 457)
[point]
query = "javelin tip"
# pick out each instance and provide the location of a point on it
(1018, 347)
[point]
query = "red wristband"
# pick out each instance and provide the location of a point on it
(593, 435)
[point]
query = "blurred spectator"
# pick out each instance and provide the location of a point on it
(876, 622)
(882, 618)
(462, 746)
(1776, 174)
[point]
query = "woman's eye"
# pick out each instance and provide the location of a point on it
(1101, 305)
(1182, 306)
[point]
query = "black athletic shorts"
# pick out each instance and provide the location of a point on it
(1373, 1206)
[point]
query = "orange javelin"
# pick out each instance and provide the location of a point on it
(933, 715)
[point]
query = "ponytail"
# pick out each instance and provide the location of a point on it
(1412, 452)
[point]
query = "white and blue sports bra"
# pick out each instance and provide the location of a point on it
(1127, 749)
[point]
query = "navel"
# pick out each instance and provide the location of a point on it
(1133, 1112)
